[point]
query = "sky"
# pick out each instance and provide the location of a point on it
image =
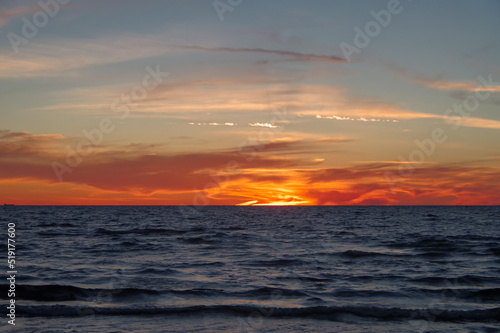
(249, 102)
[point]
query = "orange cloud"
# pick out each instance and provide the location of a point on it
(388, 184)
(451, 85)
(132, 175)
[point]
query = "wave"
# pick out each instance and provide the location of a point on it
(459, 280)
(348, 293)
(464, 294)
(138, 231)
(157, 271)
(53, 234)
(56, 293)
(359, 254)
(482, 295)
(53, 293)
(190, 236)
(60, 225)
(317, 312)
(464, 244)
(202, 240)
(276, 262)
(427, 243)
(267, 292)
(304, 278)
(434, 254)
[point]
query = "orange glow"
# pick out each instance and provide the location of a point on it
(230, 178)
(348, 186)
(247, 203)
(282, 203)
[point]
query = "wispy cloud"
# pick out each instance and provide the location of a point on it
(480, 123)
(454, 85)
(213, 124)
(437, 82)
(8, 14)
(62, 57)
(295, 55)
(268, 125)
(185, 100)
(357, 119)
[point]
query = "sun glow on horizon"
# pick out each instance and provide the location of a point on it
(283, 203)
(291, 202)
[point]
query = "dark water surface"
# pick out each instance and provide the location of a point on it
(255, 269)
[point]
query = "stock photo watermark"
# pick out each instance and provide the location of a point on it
(103, 296)
(223, 6)
(255, 320)
(31, 27)
(422, 319)
(121, 107)
(363, 37)
(454, 116)
(11, 273)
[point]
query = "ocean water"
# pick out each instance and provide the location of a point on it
(255, 269)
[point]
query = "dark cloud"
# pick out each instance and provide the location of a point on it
(296, 55)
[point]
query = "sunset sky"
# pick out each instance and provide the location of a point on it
(250, 102)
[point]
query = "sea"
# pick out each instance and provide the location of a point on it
(252, 269)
